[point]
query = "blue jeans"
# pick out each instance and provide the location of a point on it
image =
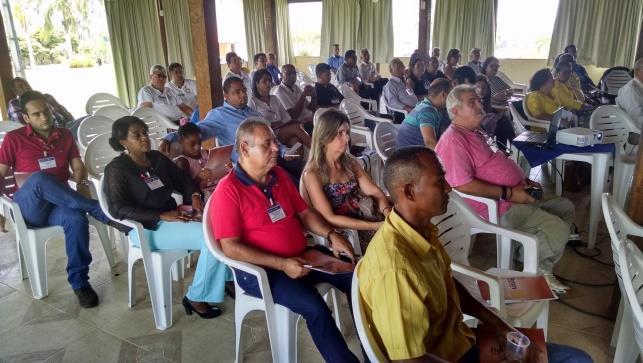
(300, 296)
(556, 353)
(44, 201)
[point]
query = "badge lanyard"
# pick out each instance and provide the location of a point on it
(275, 212)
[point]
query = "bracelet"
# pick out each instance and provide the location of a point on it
(503, 196)
(196, 194)
(329, 233)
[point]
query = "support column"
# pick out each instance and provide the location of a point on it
(639, 47)
(205, 44)
(424, 31)
(271, 26)
(6, 72)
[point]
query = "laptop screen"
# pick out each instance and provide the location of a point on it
(554, 126)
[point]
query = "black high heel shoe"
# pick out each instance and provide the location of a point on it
(189, 309)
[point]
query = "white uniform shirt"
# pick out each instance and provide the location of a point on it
(187, 93)
(289, 98)
(630, 99)
(367, 71)
(273, 111)
(165, 102)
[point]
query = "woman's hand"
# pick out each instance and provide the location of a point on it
(197, 203)
(174, 216)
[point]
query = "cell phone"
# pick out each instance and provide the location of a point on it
(535, 192)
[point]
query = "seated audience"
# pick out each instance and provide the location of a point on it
(337, 185)
(335, 60)
(586, 82)
(415, 80)
(573, 82)
(453, 60)
(261, 62)
(234, 65)
(474, 60)
(48, 153)
(630, 96)
(368, 72)
(396, 93)
(273, 68)
(294, 99)
(250, 229)
(193, 160)
(500, 90)
(288, 131)
(436, 53)
(473, 167)
(161, 98)
(464, 75)
(348, 73)
(495, 123)
(432, 71)
(412, 304)
(61, 117)
(327, 94)
(139, 185)
(540, 102)
(563, 93)
(185, 89)
(425, 123)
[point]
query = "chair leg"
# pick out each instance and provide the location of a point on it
(124, 244)
(542, 321)
(159, 280)
(178, 270)
(239, 315)
(131, 280)
(617, 323)
(24, 274)
(36, 263)
(103, 235)
(626, 347)
(286, 322)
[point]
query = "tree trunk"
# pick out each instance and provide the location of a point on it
(32, 59)
(68, 45)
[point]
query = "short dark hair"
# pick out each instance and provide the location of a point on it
(259, 74)
(539, 79)
(321, 68)
(485, 64)
(414, 61)
(229, 81)
(465, 75)
(255, 59)
(120, 128)
(30, 96)
(228, 57)
(350, 53)
(174, 66)
(569, 46)
(438, 86)
(559, 67)
(403, 166)
(453, 52)
(189, 129)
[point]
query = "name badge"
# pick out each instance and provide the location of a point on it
(47, 163)
(276, 213)
(153, 182)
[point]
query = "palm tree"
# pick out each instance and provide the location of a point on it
(20, 14)
(70, 12)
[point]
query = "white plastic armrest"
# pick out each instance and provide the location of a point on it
(496, 293)
(492, 205)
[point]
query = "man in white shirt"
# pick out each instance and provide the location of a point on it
(474, 60)
(436, 53)
(294, 99)
(163, 99)
(185, 89)
(368, 72)
(630, 96)
(234, 64)
(396, 94)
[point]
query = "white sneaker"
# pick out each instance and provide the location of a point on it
(555, 284)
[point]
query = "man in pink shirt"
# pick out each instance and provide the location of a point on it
(473, 167)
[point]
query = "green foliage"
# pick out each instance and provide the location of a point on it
(81, 62)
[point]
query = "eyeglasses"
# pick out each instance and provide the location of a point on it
(160, 75)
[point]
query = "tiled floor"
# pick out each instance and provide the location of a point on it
(55, 329)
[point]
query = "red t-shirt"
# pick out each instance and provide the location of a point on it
(240, 209)
(22, 148)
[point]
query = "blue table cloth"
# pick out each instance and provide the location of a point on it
(537, 155)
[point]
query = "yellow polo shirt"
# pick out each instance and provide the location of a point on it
(409, 295)
(539, 103)
(565, 96)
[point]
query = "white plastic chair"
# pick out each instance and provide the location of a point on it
(616, 126)
(158, 125)
(531, 120)
(281, 322)
(158, 266)
(515, 86)
(385, 139)
(620, 226)
(357, 115)
(303, 80)
(348, 92)
(311, 70)
(113, 112)
(612, 80)
(457, 226)
(631, 271)
(99, 100)
(92, 126)
(97, 155)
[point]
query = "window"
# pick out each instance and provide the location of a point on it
(305, 28)
(524, 28)
(231, 29)
(406, 25)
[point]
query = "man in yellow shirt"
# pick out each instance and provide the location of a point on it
(412, 304)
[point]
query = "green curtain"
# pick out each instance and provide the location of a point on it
(376, 22)
(178, 34)
(136, 45)
(254, 15)
(340, 24)
(465, 24)
(604, 31)
(284, 46)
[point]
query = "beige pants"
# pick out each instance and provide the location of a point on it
(549, 220)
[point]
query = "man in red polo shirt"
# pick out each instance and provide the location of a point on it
(45, 199)
(257, 214)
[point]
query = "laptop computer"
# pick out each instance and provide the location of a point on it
(543, 140)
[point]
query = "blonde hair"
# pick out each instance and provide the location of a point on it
(326, 129)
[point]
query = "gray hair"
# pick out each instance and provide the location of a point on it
(638, 65)
(157, 67)
(454, 99)
(246, 131)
